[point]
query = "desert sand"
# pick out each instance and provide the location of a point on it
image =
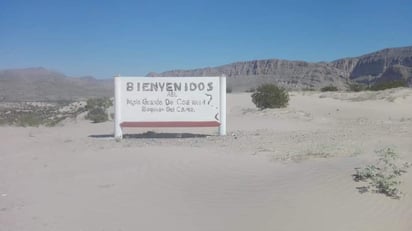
(277, 169)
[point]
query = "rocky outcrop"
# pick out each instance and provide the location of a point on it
(289, 74)
(346, 65)
(397, 72)
(384, 65)
(40, 84)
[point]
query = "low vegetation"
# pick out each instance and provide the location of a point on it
(379, 86)
(383, 175)
(270, 96)
(97, 109)
(329, 88)
(34, 114)
(355, 87)
(388, 85)
(229, 90)
(97, 115)
(104, 102)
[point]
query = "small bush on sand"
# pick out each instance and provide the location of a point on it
(356, 87)
(29, 120)
(97, 115)
(97, 109)
(270, 96)
(229, 90)
(329, 88)
(383, 175)
(99, 102)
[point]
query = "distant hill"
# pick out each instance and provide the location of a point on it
(40, 84)
(384, 65)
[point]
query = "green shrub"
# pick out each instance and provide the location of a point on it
(388, 85)
(97, 109)
(329, 88)
(97, 115)
(270, 96)
(356, 87)
(228, 89)
(99, 102)
(53, 122)
(29, 120)
(383, 175)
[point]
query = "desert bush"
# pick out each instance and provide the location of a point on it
(97, 115)
(270, 96)
(356, 87)
(97, 109)
(383, 175)
(329, 88)
(388, 85)
(229, 90)
(54, 121)
(99, 102)
(25, 114)
(28, 120)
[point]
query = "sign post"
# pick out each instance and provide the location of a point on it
(169, 102)
(222, 86)
(118, 134)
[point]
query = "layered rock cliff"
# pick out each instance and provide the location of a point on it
(384, 65)
(34, 84)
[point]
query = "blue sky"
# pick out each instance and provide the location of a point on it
(105, 38)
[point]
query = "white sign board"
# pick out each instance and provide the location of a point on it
(170, 102)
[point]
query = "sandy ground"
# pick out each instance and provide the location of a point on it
(278, 169)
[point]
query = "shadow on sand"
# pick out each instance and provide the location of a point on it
(153, 135)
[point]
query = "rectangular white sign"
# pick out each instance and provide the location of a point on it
(169, 101)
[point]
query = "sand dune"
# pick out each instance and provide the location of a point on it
(278, 169)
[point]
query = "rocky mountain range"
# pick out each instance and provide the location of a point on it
(40, 84)
(384, 65)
